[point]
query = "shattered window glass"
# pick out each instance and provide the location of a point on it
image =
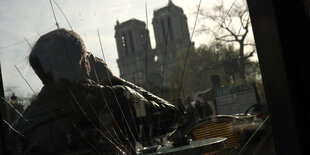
(131, 77)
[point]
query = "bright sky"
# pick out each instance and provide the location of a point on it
(31, 18)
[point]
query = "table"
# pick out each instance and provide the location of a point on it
(195, 147)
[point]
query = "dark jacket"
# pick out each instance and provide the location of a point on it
(159, 111)
(71, 118)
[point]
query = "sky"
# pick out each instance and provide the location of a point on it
(23, 21)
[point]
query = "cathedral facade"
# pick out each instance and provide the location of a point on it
(147, 67)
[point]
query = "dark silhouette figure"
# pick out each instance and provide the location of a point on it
(82, 108)
(202, 109)
(210, 95)
(190, 112)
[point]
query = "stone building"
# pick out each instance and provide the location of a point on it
(147, 67)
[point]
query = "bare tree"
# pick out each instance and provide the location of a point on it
(232, 26)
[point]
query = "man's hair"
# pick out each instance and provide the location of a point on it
(58, 55)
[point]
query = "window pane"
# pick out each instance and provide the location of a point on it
(156, 76)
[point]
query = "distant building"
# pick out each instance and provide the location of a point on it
(147, 67)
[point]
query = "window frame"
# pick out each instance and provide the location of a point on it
(278, 29)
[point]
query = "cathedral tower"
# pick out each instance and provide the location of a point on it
(133, 41)
(170, 23)
(172, 36)
(151, 68)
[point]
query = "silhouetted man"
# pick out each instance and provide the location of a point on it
(210, 95)
(73, 114)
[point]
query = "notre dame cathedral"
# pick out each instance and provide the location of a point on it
(147, 67)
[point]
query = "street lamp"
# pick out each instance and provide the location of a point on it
(13, 99)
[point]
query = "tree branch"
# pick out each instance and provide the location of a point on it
(250, 55)
(249, 44)
(225, 40)
(232, 33)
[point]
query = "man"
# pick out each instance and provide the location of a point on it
(210, 95)
(73, 114)
(203, 108)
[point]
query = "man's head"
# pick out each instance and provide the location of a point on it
(58, 55)
(216, 80)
